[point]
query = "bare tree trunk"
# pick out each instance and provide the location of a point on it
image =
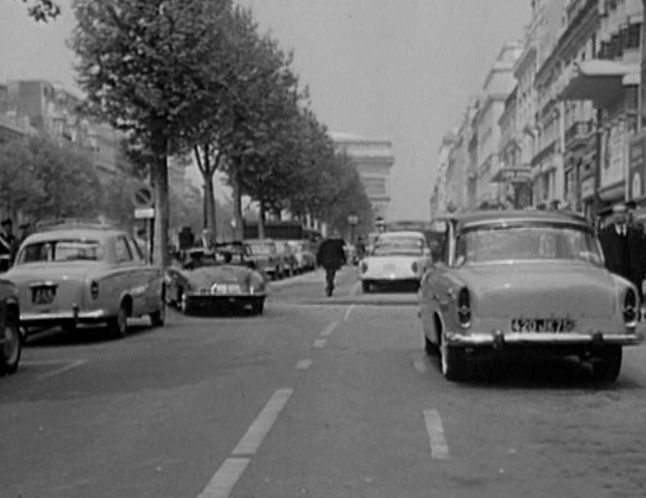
(261, 221)
(209, 203)
(159, 173)
(238, 230)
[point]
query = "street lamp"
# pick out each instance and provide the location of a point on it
(353, 221)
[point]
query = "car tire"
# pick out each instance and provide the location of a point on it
(158, 317)
(118, 326)
(11, 347)
(366, 287)
(430, 348)
(453, 362)
(606, 368)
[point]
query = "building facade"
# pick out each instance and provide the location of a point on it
(373, 159)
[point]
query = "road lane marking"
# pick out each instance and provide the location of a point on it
(439, 448)
(419, 363)
(65, 368)
(256, 433)
(226, 477)
(327, 331)
(347, 313)
(320, 343)
(303, 364)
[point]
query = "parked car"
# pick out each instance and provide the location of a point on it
(11, 338)
(511, 282)
(264, 254)
(396, 258)
(288, 259)
(73, 274)
(213, 281)
(304, 254)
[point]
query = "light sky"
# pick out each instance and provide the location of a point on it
(402, 70)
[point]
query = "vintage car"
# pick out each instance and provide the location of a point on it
(304, 254)
(395, 258)
(11, 338)
(216, 281)
(264, 254)
(530, 282)
(71, 274)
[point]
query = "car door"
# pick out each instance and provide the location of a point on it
(145, 281)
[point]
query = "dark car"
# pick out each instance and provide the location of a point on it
(222, 280)
(11, 339)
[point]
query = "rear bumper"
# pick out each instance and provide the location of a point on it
(498, 339)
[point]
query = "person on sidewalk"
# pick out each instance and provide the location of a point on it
(331, 256)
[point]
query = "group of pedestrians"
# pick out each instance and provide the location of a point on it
(9, 243)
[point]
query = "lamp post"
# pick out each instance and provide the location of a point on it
(353, 221)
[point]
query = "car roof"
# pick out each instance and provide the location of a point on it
(471, 218)
(98, 234)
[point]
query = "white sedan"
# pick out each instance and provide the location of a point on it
(396, 258)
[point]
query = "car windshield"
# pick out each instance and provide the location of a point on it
(61, 250)
(399, 246)
(526, 242)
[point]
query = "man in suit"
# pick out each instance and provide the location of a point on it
(331, 256)
(623, 247)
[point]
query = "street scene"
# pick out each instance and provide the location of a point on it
(353, 248)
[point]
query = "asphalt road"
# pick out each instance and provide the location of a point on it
(319, 397)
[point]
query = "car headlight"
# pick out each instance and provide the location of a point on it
(630, 308)
(363, 267)
(464, 308)
(94, 289)
(414, 267)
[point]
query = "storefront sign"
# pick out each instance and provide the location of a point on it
(613, 158)
(587, 187)
(637, 166)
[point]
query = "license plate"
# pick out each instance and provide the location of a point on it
(542, 325)
(43, 294)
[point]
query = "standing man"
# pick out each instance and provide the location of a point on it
(8, 244)
(623, 247)
(331, 256)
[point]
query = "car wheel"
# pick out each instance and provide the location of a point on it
(366, 287)
(257, 307)
(118, 326)
(452, 362)
(429, 348)
(606, 368)
(11, 346)
(158, 317)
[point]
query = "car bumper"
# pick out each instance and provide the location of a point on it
(91, 316)
(499, 340)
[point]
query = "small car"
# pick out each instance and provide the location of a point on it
(216, 281)
(74, 273)
(11, 338)
(264, 254)
(396, 258)
(506, 283)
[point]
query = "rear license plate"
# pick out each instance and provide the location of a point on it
(44, 294)
(226, 289)
(539, 325)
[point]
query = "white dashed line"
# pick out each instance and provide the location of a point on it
(320, 343)
(439, 448)
(347, 313)
(223, 481)
(327, 331)
(303, 364)
(251, 441)
(58, 371)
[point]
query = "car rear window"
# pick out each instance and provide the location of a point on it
(405, 246)
(61, 250)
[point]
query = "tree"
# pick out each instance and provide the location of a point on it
(142, 67)
(43, 10)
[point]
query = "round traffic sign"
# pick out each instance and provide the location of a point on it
(143, 197)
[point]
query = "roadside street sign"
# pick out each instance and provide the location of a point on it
(144, 213)
(143, 197)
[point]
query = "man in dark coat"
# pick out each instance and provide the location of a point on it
(8, 244)
(331, 256)
(623, 247)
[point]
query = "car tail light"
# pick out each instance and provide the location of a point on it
(464, 308)
(94, 289)
(414, 267)
(631, 308)
(364, 267)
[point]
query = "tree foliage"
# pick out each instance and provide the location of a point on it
(42, 10)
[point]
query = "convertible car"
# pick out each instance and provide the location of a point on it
(221, 280)
(511, 282)
(396, 258)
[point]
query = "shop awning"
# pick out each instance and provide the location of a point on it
(601, 81)
(513, 174)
